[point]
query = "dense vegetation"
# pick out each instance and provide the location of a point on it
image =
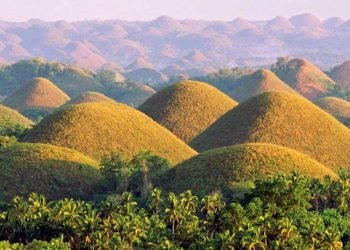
(281, 212)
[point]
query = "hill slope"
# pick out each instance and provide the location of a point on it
(53, 171)
(341, 75)
(337, 107)
(257, 83)
(38, 93)
(90, 97)
(282, 119)
(9, 117)
(222, 168)
(187, 108)
(97, 129)
(304, 77)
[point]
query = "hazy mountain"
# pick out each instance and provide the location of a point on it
(190, 44)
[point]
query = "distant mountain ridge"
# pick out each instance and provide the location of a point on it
(189, 44)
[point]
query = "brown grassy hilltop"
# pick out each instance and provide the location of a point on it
(257, 83)
(305, 78)
(337, 107)
(341, 75)
(90, 97)
(223, 168)
(45, 169)
(282, 119)
(38, 93)
(187, 108)
(97, 129)
(9, 117)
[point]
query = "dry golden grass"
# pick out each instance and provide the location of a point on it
(187, 108)
(10, 117)
(306, 78)
(223, 168)
(53, 171)
(257, 83)
(97, 129)
(337, 107)
(90, 97)
(38, 93)
(282, 119)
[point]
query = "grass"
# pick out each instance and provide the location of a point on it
(53, 171)
(9, 117)
(283, 119)
(187, 108)
(90, 97)
(257, 83)
(38, 93)
(305, 78)
(97, 129)
(227, 167)
(337, 107)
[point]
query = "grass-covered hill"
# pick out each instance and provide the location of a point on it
(50, 170)
(97, 129)
(341, 75)
(90, 97)
(224, 168)
(10, 117)
(257, 83)
(337, 107)
(37, 93)
(187, 108)
(283, 119)
(136, 94)
(304, 77)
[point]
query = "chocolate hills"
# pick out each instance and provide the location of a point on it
(224, 168)
(341, 75)
(10, 117)
(90, 97)
(37, 93)
(283, 119)
(257, 83)
(97, 129)
(337, 107)
(304, 77)
(53, 171)
(187, 108)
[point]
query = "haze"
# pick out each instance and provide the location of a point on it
(72, 10)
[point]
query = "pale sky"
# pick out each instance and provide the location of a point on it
(72, 10)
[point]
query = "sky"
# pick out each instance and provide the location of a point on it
(73, 10)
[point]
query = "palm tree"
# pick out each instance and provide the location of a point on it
(173, 212)
(189, 202)
(156, 200)
(331, 241)
(287, 231)
(252, 239)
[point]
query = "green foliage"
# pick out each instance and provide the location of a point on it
(136, 175)
(225, 79)
(12, 129)
(280, 213)
(36, 115)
